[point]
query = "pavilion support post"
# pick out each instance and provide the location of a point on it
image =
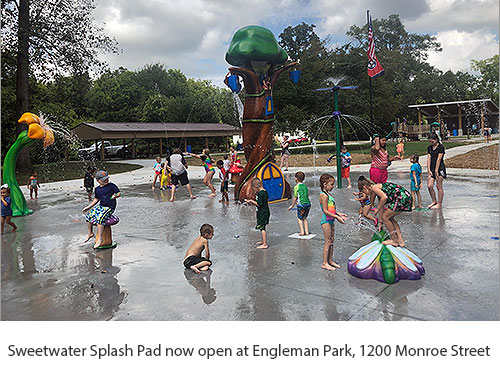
(124, 148)
(149, 148)
(482, 120)
(102, 149)
(185, 145)
(161, 147)
(460, 131)
(134, 155)
(419, 123)
(206, 142)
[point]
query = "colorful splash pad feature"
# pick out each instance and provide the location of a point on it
(107, 235)
(37, 129)
(385, 263)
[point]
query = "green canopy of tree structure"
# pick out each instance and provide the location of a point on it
(254, 43)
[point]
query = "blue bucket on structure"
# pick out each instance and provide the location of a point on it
(295, 76)
(232, 82)
(455, 132)
(188, 148)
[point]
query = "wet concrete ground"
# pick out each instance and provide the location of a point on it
(48, 274)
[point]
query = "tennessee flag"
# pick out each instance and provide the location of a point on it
(375, 69)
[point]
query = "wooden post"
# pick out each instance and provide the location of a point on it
(460, 131)
(482, 120)
(133, 149)
(124, 149)
(102, 149)
(419, 123)
(161, 147)
(149, 147)
(206, 142)
(185, 145)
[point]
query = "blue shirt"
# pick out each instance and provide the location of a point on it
(415, 167)
(104, 194)
(6, 210)
(345, 159)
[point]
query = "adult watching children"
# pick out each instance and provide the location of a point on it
(380, 160)
(436, 171)
(178, 164)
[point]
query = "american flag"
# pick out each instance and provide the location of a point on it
(375, 69)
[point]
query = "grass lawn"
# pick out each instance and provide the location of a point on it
(72, 170)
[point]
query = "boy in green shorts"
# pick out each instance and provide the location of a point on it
(301, 198)
(263, 212)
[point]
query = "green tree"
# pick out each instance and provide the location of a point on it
(487, 85)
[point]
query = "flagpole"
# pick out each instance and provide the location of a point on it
(370, 78)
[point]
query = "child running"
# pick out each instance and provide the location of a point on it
(33, 184)
(301, 198)
(157, 171)
(6, 207)
(395, 199)
(102, 207)
(263, 212)
(415, 181)
(209, 169)
(330, 214)
(88, 181)
(365, 208)
(224, 181)
(193, 259)
(400, 149)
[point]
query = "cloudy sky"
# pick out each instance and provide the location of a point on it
(193, 35)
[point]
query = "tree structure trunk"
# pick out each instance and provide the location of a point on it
(258, 128)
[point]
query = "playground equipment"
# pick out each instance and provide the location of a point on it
(37, 129)
(259, 60)
(385, 263)
(336, 116)
(107, 235)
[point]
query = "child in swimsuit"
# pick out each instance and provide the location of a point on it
(330, 214)
(224, 182)
(209, 169)
(193, 259)
(157, 171)
(6, 208)
(301, 198)
(364, 210)
(33, 184)
(394, 199)
(165, 177)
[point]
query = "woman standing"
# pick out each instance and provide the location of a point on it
(285, 152)
(436, 171)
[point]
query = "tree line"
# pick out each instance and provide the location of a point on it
(66, 80)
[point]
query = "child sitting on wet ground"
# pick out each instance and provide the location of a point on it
(263, 212)
(102, 207)
(6, 208)
(193, 259)
(301, 198)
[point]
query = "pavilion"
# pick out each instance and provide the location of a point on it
(100, 131)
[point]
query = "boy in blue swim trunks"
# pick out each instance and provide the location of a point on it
(415, 180)
(301, 198)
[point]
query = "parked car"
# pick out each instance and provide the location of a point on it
(94, 151)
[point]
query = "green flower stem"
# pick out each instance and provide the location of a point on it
(19, 205)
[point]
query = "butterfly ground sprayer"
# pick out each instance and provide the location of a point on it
(385, 263)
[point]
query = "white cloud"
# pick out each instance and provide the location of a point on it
(460, 47)
(193, 35)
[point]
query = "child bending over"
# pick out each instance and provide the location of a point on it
(263, 212)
